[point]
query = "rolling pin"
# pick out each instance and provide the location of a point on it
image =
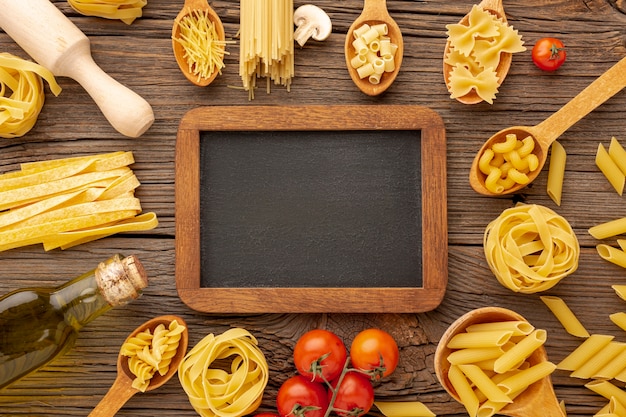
(51, 39)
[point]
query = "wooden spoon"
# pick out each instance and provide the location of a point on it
(599, 91)
(494, 7)
(122, 390)
(179, 51)
(374, 12)
(538, 396)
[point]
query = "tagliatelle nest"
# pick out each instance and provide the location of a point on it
(530, 248)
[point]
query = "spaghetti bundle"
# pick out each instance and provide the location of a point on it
(66, 202)
(266, 42)
(21, 94)
(125, 10)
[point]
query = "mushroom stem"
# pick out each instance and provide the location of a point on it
(304, 32)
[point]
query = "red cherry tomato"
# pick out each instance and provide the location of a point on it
(301, 397)
(266, 414)
(320, 355)
(549, 54)
(355, 395)
(375, 350)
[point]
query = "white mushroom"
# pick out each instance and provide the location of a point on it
(311, 21)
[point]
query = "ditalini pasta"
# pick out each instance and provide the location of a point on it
(565, 316)
(556, 172)
(475, 51)
(507, 163)
(266, 43)
(530, 248)
(498, 373)
(374, 52)
(216, 392)
(150, 352)
(610, 169)
(22, 94)
(125, 10)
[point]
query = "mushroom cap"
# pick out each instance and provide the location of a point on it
(311, 14)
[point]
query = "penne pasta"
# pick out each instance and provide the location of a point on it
(618, 154)
(613, 368)
(464, 390)
(620, 290)
(520, 380)
(565, 316)
(598, 361)
(521, 351)
(608, 229)
(474, 355)
(404, 409)
(482, 381)
(519, 328)
(610, 169)
(479, 340)
(607, 390)
(611, 254)
(584, 352)
(556, 172)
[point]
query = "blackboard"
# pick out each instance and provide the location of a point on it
(326, 204)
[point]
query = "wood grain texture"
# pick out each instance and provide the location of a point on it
(140, 57)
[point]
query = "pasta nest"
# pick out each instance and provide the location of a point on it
(21, 94)
(215, 389)
(530, 248)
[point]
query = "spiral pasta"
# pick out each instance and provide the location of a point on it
(530, 248)
(152, 352)
(232, 392)
(21, 94)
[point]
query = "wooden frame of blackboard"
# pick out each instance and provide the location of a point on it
(311, 299)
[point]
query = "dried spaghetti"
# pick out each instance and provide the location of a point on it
(21, 94)
(227, 391)
(266, 42)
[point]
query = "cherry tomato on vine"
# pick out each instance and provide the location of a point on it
(266, 414)
(355, 395)
(375, 350)
(301, 397)
(549, 54)
(320, 355)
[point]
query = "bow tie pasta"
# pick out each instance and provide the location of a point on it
(475, 53)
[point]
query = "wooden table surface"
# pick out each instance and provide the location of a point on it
(140, 56)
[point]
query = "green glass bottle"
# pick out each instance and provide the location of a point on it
(40, 324)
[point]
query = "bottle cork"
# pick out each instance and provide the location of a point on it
(121, 279)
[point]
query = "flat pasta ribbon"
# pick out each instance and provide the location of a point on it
(21, 94)
(218, 391)
(125, 10)
(530, 248)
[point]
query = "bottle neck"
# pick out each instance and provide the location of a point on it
(114, 282)
(80, 300)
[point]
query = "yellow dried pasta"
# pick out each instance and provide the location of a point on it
(151, 352)
(65, 202)
(21, 94)
(530, 248)
(125, 10)
(225, 392)
(475, 53)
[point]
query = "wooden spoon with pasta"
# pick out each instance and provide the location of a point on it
(189, 8)
(538, 396)
(122, 389)
(496, 8)
(375, 12)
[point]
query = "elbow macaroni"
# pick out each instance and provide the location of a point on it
(508, 163)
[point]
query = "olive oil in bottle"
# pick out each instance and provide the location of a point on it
(40, 324)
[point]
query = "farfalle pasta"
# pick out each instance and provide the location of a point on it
(475, 53)
(530, 248)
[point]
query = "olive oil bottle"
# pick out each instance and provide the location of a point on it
(40, 324)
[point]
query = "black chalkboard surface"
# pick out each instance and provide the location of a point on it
(342, 208)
